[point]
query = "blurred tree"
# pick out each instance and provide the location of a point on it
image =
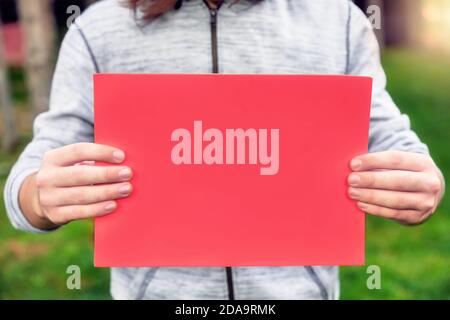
(9, 136)
(402, 20)
(40, 41)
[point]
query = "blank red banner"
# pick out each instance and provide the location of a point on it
(233, 170)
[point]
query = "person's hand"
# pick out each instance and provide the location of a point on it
(69, 187)
(403, 186)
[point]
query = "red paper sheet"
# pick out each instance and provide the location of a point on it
(241, 210)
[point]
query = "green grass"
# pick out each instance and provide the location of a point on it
(34, 266)
(414, 261)
(17, 80)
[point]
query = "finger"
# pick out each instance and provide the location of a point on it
(85, 194)
(391, 160)
(79, 152)
(393, 199)
(84, 175)
(403, 216)
(78, 212)
(395, 180)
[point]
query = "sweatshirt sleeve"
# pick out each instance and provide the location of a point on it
(68, 120)
(389, 128)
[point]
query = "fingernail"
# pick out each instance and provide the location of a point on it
(355, 164)
(353, 193)
(353, 179)
(110, 206)
(118, 156)
(362, 206)
(125, 174)
(125, 189)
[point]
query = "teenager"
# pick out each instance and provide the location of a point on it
(48, 187)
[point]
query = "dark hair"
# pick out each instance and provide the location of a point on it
(154, 8)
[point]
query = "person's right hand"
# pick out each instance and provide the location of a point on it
(69, 187)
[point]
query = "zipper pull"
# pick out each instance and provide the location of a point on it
(213, 15)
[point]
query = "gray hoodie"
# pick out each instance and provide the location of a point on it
(272, 36)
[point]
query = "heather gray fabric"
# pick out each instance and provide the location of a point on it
(274, 36)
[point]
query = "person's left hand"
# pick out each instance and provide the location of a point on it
(403, 186)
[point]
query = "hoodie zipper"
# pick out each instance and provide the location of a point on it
(214, 49)
(213, 8)
(230, 283)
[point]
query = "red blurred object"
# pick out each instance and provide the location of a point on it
(13, 44)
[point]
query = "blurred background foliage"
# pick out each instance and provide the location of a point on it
(414, 261)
